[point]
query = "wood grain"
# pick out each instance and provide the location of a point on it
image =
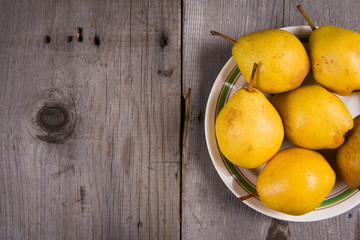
(117, 175)
(105, 160)
(210, 210)
(342, 14)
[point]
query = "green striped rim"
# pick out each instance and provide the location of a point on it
(231, 167)
(226, 89)
(337, 198)
(221, 103)
(245, 184)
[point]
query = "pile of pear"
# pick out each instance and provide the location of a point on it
(250, 129)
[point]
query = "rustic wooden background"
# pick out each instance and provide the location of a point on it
(102, 109)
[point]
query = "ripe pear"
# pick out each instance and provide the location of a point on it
(313, 117)
(295, 181)
(282, 59)
(335, 58)
(248, 129)
(281, 56)
(348, 157)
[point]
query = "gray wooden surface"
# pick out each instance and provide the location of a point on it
(104, 138)
(210, 210)
(117, 175)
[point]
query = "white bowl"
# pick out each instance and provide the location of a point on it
(242, 181)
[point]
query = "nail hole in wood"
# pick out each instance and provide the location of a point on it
(164, 41)
(80, 35)
(97, 40)
(47, 39)
(69, 38)
(52, 118)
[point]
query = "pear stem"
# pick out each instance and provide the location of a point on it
(306, 17)
(251, 83)
(215, 33)
(241, 199)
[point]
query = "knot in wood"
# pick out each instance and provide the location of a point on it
(52, 118)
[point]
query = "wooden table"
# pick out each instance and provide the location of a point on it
(102, 119)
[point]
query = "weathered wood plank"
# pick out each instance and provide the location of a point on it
(116, 176)
(116, 173)
(210, 210)
(342, 14)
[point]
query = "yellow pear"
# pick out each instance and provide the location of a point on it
(282, 59)
(281, 56)
(335, 58)
(348, 157)
(248, 129)
(295, 181)
(313, 117)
